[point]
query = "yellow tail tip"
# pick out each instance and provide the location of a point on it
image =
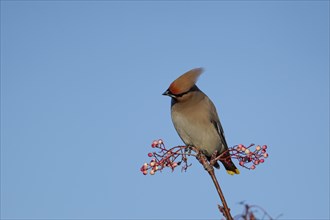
(230, 172)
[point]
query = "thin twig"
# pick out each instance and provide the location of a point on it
(209, 168)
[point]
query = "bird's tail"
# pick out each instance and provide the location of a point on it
(229, 165)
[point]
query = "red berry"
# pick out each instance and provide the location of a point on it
(264, 147)
(265, 155)
(241, 163)
(144, 167)
(262, 160)
(154, 144)
(256, 162)
(252, 167)
(150, 154)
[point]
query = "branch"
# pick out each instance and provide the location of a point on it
(178, 155)
(209, 168)
(249, 213)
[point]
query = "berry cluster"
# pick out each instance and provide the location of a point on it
(248, 158)
(168, 157)
(165, 158)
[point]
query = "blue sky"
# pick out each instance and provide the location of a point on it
(81, 102)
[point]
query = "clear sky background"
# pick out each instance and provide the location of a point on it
(81, 85)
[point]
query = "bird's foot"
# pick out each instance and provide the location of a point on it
(188, 150)
(214, 158)
(202, 159)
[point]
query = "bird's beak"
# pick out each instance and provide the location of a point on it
(167, 92)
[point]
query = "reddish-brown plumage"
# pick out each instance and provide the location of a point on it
(185, 81)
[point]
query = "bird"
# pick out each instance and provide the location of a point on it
(196, 120)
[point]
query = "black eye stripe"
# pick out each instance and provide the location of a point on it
(194, 88)
(181, 94)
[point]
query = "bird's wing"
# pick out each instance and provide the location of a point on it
(216, 122)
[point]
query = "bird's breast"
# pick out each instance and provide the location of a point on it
(195, 128)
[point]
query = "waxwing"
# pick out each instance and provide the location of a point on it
(195, 118)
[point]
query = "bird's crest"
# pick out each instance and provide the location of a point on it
(185, 81)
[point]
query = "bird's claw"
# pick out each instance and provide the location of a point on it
(213, 159)
(202, 159)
